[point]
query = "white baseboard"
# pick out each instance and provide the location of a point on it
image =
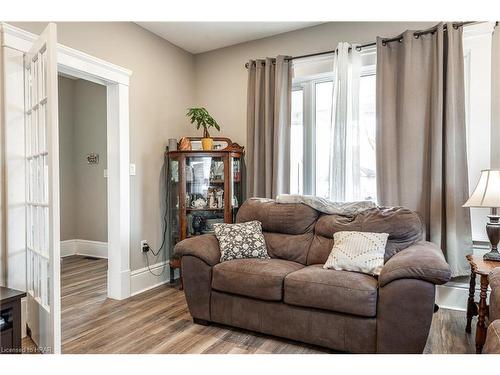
(94, 249)
(68, 248)
(118, 287)
(142, 280)
(454, 295)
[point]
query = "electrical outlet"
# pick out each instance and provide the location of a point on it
(144, 246)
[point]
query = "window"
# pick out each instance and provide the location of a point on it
(311, 135)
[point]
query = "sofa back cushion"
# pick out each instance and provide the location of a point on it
(293, 247)
(403, 225)
(288, 228)
(299, 233)
(286, 218)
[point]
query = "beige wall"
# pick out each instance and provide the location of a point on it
(91, 185)
(161, 88)
(67, 173)
(221, 77)
(82, 130)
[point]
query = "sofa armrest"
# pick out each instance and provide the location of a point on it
(492, 344)
(423, 260)
(204, 247)
(494, 280)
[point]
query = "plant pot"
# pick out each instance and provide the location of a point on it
(207, 143)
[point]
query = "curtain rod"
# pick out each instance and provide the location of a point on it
(416, 34)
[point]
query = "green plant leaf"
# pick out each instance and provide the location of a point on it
(201, 118)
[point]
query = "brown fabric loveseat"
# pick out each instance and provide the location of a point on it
(292, 296)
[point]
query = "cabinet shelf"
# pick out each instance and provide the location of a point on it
(204, 232)
(204, 209)
(215, 182)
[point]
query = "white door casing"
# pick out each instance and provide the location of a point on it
(42, 192)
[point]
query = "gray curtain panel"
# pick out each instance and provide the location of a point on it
(421, 136)
(268, 127)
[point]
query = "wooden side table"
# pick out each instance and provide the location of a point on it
(175, 263)
(481, 267)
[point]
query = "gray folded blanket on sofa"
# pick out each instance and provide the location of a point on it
(326, 206)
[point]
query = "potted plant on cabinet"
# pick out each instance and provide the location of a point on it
(203, 119)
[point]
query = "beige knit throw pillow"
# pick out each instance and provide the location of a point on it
(357, 251)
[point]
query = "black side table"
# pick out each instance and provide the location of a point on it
(10, 312)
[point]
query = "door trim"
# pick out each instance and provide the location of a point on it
(116, 79)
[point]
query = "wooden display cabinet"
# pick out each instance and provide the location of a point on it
(204, 187)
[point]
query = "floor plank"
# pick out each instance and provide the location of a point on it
(158, 321)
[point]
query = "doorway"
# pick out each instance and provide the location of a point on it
(82, 168)
(115, 79)
(83, 196)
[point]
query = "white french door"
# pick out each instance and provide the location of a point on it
(42, 192)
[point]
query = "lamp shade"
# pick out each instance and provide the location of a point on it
(487, 191)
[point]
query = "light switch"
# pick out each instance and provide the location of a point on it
(132, 169)
(105, 173)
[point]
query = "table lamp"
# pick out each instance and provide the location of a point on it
(487, 194)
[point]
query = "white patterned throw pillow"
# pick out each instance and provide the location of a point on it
(242, 240)
(358, 251)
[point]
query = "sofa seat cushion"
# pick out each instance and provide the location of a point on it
(340, 291)
(257, 278)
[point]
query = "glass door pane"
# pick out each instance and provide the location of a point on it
(367, 130)
(297, 143)
(173, 202)
(236, 186)
(204, 177)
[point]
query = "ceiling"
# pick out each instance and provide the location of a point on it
(198, 37)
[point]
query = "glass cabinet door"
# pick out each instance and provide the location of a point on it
(236, 186)
(173, 202)
(204, 193)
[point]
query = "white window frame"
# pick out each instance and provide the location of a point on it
(308, 85)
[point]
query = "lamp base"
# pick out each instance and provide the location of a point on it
(493, 231)
(492, 255)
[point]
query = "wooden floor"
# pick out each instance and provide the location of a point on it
(158, 321)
